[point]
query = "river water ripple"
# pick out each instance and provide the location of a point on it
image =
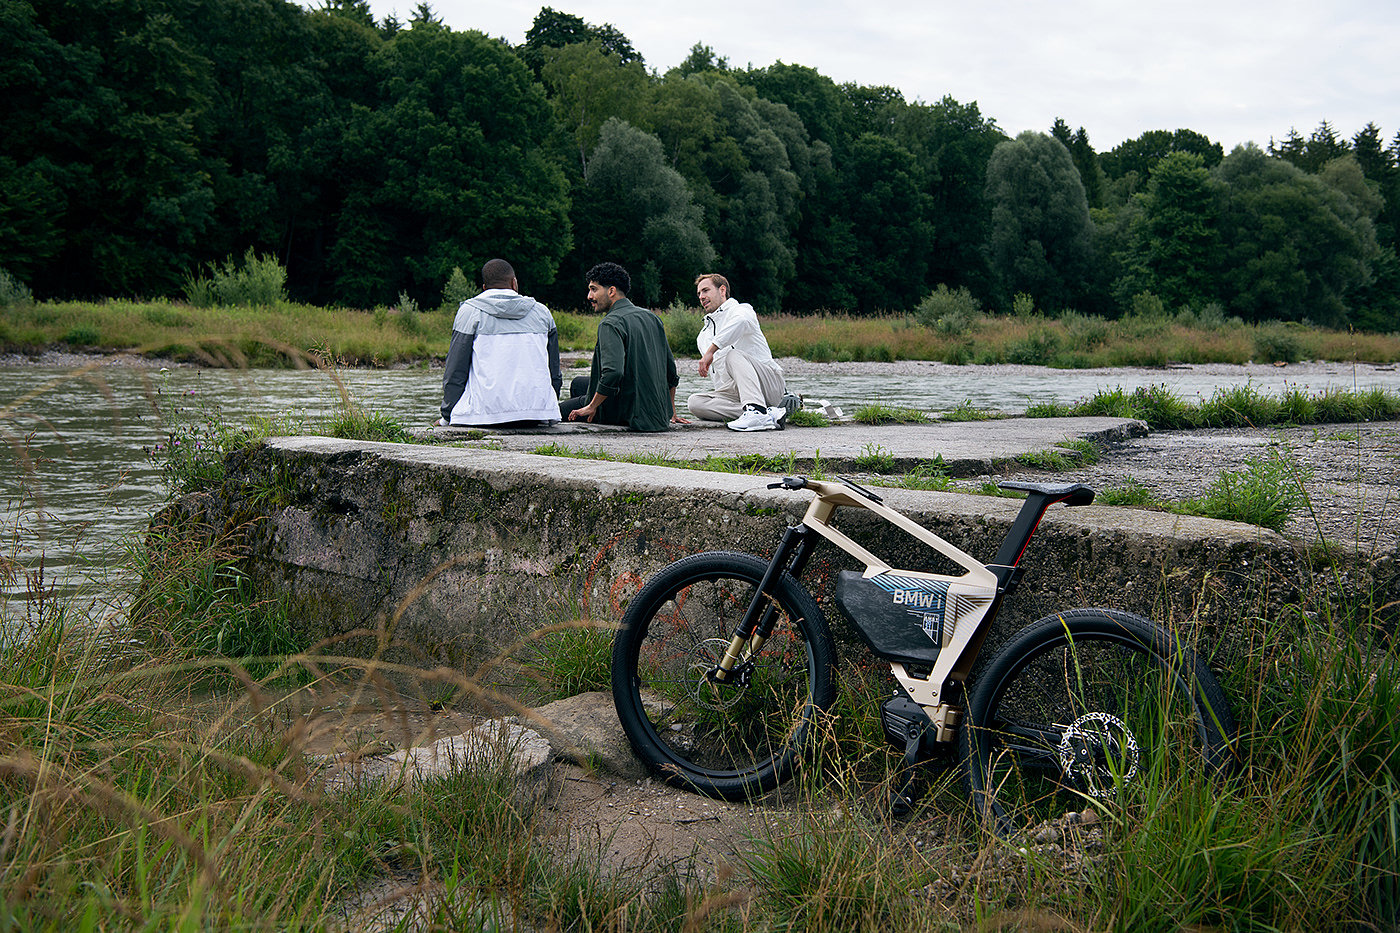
(78, 485)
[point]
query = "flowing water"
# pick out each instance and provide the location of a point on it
(78, 482)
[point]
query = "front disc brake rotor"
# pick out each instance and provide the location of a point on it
(1098, 752)
(711, 694)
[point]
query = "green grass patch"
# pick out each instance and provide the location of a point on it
(1265, 493)
(1130, 493)
(966, 411)
(883, 414)
(808, 418)
(1051, 458)
(1233, 406)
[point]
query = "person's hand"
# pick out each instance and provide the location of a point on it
(677, 419)
(587, 413)
(705, 362)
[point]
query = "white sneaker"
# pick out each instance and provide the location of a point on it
(779, 415)
(753, 420)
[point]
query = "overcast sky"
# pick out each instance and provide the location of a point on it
(1235, 70)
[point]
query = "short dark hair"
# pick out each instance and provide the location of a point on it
(610, 275)
(497, 273)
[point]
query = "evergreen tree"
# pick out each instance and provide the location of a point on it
(1175, 238)
(952, 143)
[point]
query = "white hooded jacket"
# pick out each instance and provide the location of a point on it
(503, 362)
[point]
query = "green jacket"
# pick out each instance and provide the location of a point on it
(634, 368)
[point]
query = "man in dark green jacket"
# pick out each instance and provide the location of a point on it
(633, 379)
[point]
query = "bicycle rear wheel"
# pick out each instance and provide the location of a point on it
(1082, 705)
(731, 740)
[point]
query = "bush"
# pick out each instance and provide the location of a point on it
(197, 438)
(682, 327)
(949, 312)
(13, 291)
(1085, 332)
(457, 290)
(1277, 345)
(84, 335)
(356, 423)
(261, 280)
(1038, 348)
(1148, 306)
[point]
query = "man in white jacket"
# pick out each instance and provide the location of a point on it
(748, 384)
(503, 362)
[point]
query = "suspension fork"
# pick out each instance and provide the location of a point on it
(762, 614)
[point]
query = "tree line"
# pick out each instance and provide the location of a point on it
(142, 141)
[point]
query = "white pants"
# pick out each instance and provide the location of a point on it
(745, 382)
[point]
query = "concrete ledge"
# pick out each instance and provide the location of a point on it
(447, 554)
(964, 448)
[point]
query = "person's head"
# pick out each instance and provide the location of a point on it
(607, 282)
(712, 290)
(497, 273)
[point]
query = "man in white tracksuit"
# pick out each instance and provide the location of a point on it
(503, 362)
(747, 383)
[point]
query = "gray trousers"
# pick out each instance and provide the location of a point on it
(745, 382)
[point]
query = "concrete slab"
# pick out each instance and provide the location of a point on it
(968, 448)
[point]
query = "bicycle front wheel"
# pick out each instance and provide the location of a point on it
(1083, 705)
(734, 739)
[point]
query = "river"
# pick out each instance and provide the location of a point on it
(77, 483)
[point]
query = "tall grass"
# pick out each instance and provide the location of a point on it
(268, 331)
(1230, 406)
(131, 799)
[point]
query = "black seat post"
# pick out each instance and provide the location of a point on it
(1039, 497)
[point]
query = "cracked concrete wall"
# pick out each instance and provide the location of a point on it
(447, 555)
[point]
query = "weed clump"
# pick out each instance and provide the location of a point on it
(257, 281)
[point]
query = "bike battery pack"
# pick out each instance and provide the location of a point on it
(901, 618)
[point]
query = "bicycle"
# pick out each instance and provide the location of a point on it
(723, 665)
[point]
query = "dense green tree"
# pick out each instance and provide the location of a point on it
(826, 111)
(316, 168)
(1174, 240)
(887, 214)
(639, 212)
(554, 29)
(1040, 240)
(952, 143)
(702, 58)
(1085, 159)
(589, 86)
(105, 109)
(758, 206)
(742, 157)
(1141, 154)
(1313, 153)
(357, 11)
(451, 169)
(1295, 245)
